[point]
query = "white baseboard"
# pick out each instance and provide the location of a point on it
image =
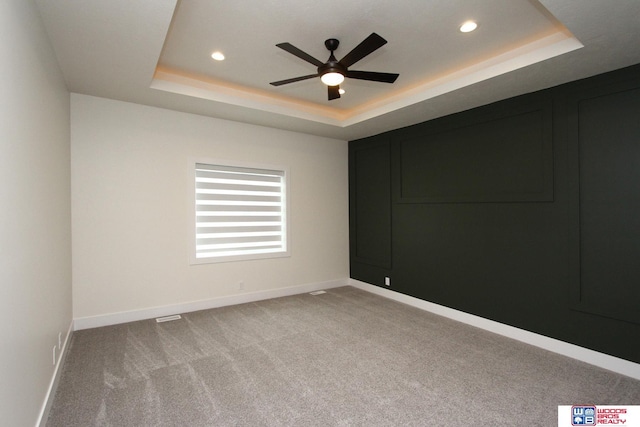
(53, 385)
(153, 312)
(592, 357)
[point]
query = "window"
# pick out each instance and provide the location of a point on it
(240, 213)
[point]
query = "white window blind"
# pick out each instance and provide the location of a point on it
(240, 213)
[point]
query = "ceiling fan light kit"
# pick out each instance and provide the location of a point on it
(332, 78)
(333, 72)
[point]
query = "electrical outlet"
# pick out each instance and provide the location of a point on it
(241, 285)
(387, 281)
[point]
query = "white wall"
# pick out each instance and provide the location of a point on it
(35, 216)
(131, 212)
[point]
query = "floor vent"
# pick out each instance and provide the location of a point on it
(317, 292)
(168, 318)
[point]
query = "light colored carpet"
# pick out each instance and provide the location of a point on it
(344, 358)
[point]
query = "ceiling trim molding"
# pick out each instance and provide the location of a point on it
(558, 43)
(170, 81)
(540, 50)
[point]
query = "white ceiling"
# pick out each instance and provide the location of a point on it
(157, 52)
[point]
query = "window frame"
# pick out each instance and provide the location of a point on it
(286, 229)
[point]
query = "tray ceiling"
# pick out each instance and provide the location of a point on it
(158, 53)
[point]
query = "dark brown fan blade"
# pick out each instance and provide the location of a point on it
(373, 76)
(300, 54)
(334, 92)
(368, 45)
(293, 80)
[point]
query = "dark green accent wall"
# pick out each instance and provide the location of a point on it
(526, 212)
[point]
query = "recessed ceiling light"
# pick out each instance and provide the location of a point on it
(468, 26)
(218, 56)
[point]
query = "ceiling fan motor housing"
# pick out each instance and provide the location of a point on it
(332, 65)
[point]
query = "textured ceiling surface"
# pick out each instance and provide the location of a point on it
(158, 53)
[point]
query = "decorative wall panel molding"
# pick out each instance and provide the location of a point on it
(500, 157)
(370, 209)
(605, 134)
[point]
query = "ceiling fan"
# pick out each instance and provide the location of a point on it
(333, 72)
